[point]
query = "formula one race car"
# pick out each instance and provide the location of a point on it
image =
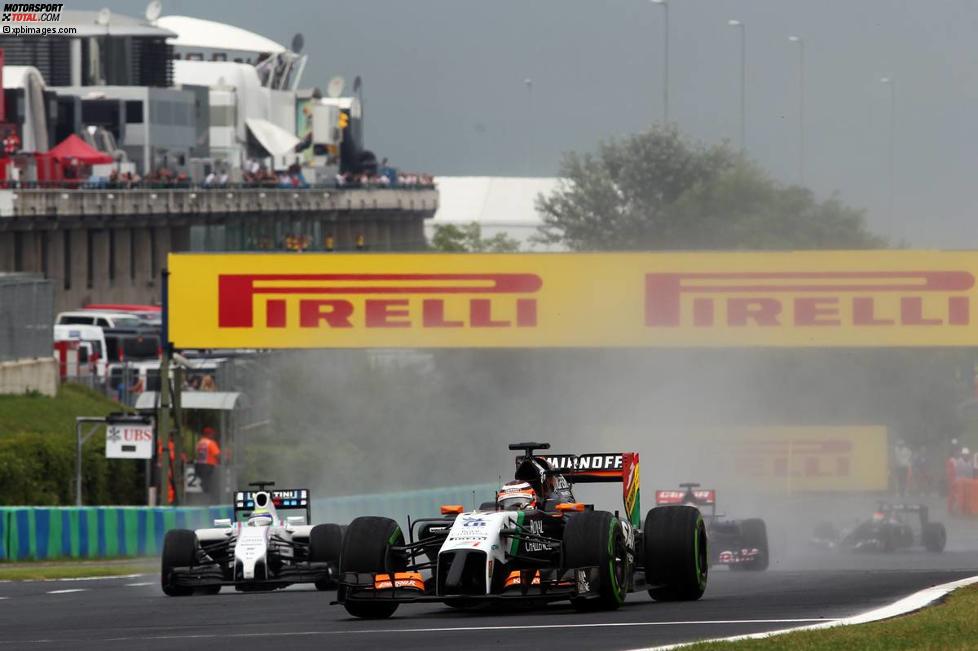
(892, 527)
(535, 543)
(257, 550)
(739, 544)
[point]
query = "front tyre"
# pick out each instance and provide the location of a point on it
(367, 549)
(595, 539)
(325, 545)
(179, 550)
(675, 551)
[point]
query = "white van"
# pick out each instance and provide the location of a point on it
(101, 319)
(91, 337)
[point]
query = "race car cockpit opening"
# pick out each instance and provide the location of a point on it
(260, 520)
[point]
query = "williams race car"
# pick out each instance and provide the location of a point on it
(892, 527)
(739, 544)
(256, 550)
(534, 543)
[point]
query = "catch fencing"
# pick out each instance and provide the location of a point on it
(26, 316)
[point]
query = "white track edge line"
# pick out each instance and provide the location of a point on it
(905, 606)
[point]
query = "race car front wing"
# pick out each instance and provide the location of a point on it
(212, 575)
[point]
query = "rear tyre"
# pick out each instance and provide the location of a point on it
(595, 539)
(367, 549)
(325, 544)
(179, 550)
(934, 537)
(675, 550)
(754, 536)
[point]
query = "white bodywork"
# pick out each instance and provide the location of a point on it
(253, 540)
(481, 530)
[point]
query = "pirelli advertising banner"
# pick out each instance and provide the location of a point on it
(849, 458)
(800, 299)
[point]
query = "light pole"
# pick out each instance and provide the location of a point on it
(529, 123)
(743, 81)
(891, 82)
(801, 106)
(665, 57)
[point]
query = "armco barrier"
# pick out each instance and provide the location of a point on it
(38, 533)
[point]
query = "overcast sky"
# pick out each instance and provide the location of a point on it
(444, 86)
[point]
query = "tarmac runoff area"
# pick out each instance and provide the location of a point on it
(123, 612)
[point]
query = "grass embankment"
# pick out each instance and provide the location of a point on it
(37, 452)
(45, 570)
(951, 625)
(32, 412)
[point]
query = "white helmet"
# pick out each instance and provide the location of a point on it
(516, 495)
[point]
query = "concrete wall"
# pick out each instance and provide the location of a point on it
(26, 375)
(34, 235)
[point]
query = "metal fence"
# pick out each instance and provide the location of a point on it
(26, 316)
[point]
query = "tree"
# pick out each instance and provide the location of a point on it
(468, 238)
(657, 190)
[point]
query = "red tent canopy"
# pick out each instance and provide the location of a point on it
(75, 147)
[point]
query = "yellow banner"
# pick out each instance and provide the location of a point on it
(799, 299)
(807, 459)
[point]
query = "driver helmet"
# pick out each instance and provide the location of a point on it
(516, 496)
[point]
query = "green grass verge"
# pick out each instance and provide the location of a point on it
(37, 452)
(950, 625)
(33, 412)
(40, 570)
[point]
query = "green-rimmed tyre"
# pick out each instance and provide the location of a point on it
(595, 538)
(676, 561)
(367, 549)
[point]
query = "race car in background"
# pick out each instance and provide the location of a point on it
(739, 544)
(534, 543)
(256, 550)
(891, 527)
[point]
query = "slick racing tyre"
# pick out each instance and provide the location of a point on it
(179, 550)
(325, 543)
(934, 537)
(675, 551)
(367, 549)
(595, 539)
(754, 536)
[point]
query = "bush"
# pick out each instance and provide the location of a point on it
(39, 470)
(37, 453)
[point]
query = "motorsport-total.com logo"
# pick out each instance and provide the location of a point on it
(31, 12)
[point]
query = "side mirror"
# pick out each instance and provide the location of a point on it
(296, 520)
(222, 522)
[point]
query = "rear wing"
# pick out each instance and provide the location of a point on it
(704, 497)
(610, 467)
(284, 499)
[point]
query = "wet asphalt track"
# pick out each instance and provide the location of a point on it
(131, 612)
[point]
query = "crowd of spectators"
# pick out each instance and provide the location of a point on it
(393, 179)
(253, 175)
